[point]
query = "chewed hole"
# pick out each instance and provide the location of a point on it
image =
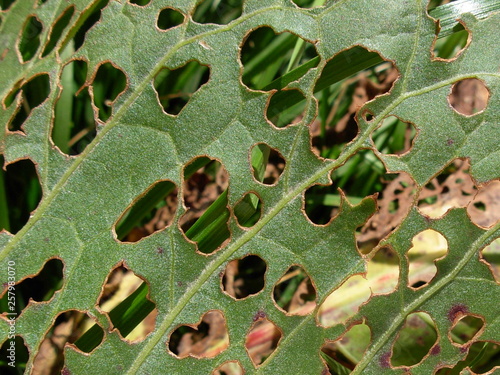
(57, 29)
(469, 96)
(5, 4)
(244, 277)
(286, 107)
(70, 327)
(109, 83)
(124, 299)
(229, 368)
(262, 46)
(394, 136)
(140, 2)
(491, 256)
(30, 39)
(383, 271)
(175, 87)
(414, 340)
(205, 197)
(91, 20)
(267, 164)
(262, 340)
(11, 364)
(428, 247)
(149, 213)
(217, 11)
(33, 93)
(169, 18)
(344, 302)
(40, 287)
(466, 329)
(248, 210)
(23, 192)
(305, 3)
(295, 293)
(321, 203)
(207, 339)
(453, 187)
(339, 103)
(482, 358)
(354, 342)
(74, 125)
(484, 209)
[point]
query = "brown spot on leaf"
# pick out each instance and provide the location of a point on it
(384, 360)
(436, 349)
(456, 311)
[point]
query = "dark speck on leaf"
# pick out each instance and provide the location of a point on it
(457, 310)
(436, 349)
(259, 315)
(65, 371)
(384, 360)
(160, 250)
(450, 142)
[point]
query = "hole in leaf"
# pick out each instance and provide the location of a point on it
(175, 87)
(306, 3)
(229, 368)
(428, 247)
(452, 188)
(57, 29)
(262, 340)
(30, 39)
(383, 271)
(5, 4)
(267, 57)
(342, 355)
(205, 197)
(14, 354)
(70, 327)
(244, 277)
(466, 329)
(452, 45)
(469, 96)
(321, 203)
(394, 136)
(294, 293)
(109, 83)
(344, 302)
(169, 18)
(491, 256)
(348, 81)
(20, 194)
(33, 93)
(248, 210)
(140, 2)
(74, 125)
(206, 339)
(40, 287)
(152, 211)
(217, 11)
(414, 341)
(90, 21)
(484, 209)
(267, 164)
(124, 299)
(279, 111)
(482, 359)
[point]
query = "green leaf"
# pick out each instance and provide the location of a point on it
(80, 219)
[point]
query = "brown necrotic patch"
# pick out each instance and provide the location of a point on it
(469, 96)
(414, 340)
(205, 192)
(41, 287)
(73, 123)
(125, 301)
(33, 92)
(354, 342)
(175, 87)
(244, 277)
(71, 328)
(169, 18)
(466, 329)
(262, 340)
(14, 354)
(29, 41)
(295, 293)
(22, 193)
(108, 84)
(427, 248)
(394, 136)
(229, 368)
(490, 255)
(206, 339)
(220, 12)
(248, 210)
(267, 163)
(152, 211)
(57, 29)
(267, 56)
